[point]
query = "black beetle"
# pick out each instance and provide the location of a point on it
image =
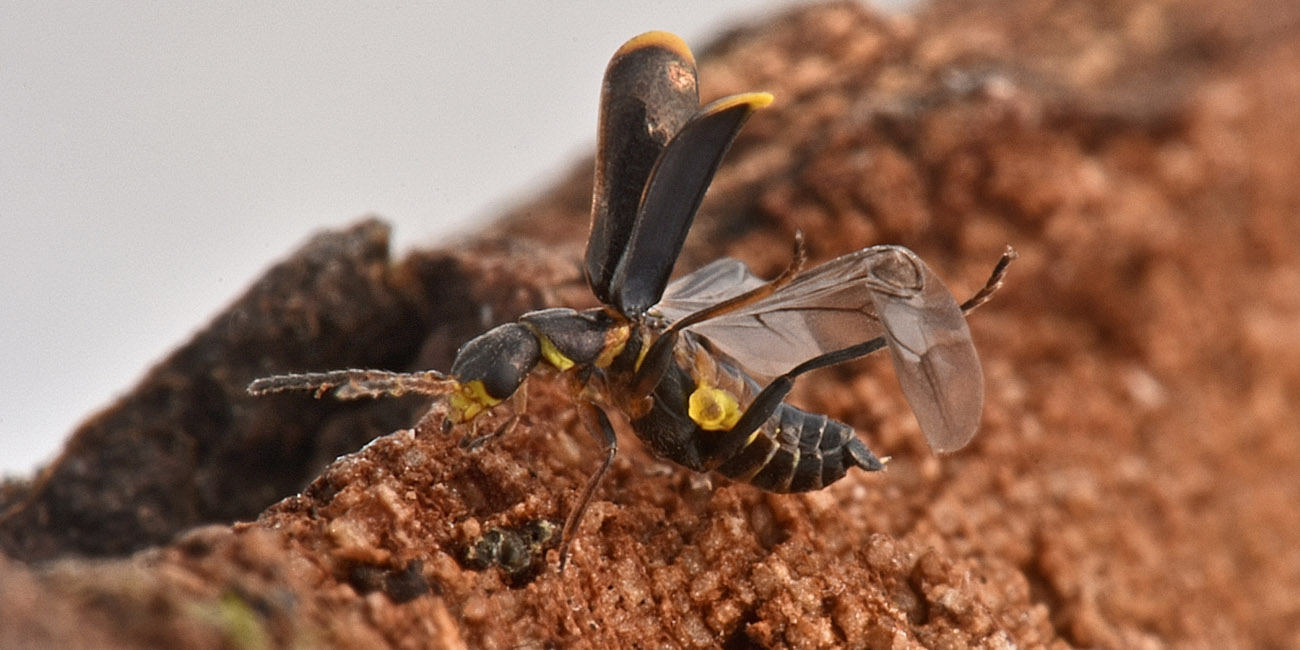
(701, 367)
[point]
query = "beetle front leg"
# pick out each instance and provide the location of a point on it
(773, 395)
(473, 440)
(518, 405)
(602, 430)
(994, 282)
(660, 355)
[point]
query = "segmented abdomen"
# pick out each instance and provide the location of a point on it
(792, 451)
(797, 451)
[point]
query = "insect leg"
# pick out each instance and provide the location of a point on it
(473, 440)
(601, 429)
(773, 395)
(754, 295)
(994, 283)
(660, 354)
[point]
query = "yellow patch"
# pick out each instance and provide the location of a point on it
(469, 400)
(615, 340)
(553, 355)
(640, 355)
(713, 409)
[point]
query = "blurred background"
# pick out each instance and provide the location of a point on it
(156, 158)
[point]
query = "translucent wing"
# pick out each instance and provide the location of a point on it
(706, 286)
(879, 291)
(826, 308)
(934, 356)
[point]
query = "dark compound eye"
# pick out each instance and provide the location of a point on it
(500, 358)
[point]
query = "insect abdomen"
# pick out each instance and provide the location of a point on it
(797, 451)
(792, 451)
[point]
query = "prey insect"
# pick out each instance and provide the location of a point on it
(701, 367)
(518, 551)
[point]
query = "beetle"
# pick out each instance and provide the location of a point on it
(516, 550)
(701, 367)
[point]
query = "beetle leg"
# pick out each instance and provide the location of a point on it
(518, 404)
(753, 295)
(473, 440)
(994, 283)
(660, 355)
(772, 395)
(599, 425)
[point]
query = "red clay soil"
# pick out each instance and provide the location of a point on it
(1135, 484)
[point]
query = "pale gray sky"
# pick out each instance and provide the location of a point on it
(157, 157)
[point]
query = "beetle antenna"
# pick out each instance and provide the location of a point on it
(994, 283)
(354, 384)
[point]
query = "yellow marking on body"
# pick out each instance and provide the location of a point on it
(616, 339)
(640, 355)
(713, 409)
(552, 354)
(470, 399)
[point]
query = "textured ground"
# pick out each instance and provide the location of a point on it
(1134, 484)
